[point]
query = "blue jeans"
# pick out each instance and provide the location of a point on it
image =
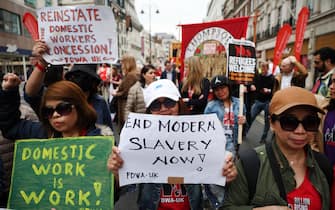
(256, 108)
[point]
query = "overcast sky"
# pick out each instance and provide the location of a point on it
(171, 13)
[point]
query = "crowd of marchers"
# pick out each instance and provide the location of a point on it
(291, 169)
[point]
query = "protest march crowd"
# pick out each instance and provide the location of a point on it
(302, 121)
(293, 170)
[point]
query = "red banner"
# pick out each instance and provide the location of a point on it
(300, 30)
(281, 41)
(30, 22)
(210, 39)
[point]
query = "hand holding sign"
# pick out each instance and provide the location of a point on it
(114, 161)
(78, 34)
(165, 149)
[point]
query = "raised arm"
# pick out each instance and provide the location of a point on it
(35, 81)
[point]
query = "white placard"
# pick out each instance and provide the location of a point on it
(158, 148)
(209, 48)
(78, 34)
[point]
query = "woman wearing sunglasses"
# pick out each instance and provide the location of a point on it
(64, 112)
(290, 175)
(163, 98)
(226, 107)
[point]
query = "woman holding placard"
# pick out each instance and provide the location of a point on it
(64, 112)
(163, 98)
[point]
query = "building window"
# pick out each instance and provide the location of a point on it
(9, 22)
(30, 3)
(310, 4)
(25, 32)
(293, 11)
(48, 3)
(120, 3)
(279, 15)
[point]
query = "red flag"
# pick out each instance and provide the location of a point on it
(30, 22)
(193, 35)
(281, 41)
(300, 30)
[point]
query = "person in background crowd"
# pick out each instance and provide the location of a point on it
(329, 124)
(115, 81)
(324, 63)
(263, 87)
(177, 70)
(135, 100)
(289, 176)
(169, 73)
(116, 77)
(84, 75)
(158, 72)
(104, 72)
(130, 77)
(288, 76)
(163, 98)
(226, 108)
(195, 87)
(277, 69)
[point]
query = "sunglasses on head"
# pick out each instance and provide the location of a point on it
(290, 122)
(157, 105)
(63, 109)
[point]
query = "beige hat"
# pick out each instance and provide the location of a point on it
(290, 97)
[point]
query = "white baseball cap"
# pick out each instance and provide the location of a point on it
(160, 88)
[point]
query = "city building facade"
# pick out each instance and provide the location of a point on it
(16, 43)
(267, 17)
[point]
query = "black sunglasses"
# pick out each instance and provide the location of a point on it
(63, 109)
(157, 105)
(290, 122)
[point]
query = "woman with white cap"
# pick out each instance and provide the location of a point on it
(163, 98)
(290, 174)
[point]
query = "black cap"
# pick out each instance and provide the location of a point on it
(218, 81)
(88, 69)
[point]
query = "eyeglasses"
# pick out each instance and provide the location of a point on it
(157, 105)
(290, 122)
(63, 109)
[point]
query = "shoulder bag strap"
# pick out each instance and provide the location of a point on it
(275, 170)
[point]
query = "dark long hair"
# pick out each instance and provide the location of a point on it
(144, 70)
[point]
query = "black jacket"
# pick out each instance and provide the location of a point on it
(13, 127)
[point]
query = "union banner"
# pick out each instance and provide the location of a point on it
(210, 41)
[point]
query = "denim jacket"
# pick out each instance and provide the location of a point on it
(216, 106)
